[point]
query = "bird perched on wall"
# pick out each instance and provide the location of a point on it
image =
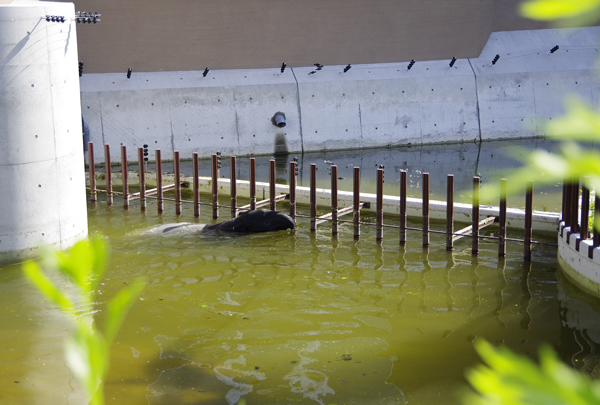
(312, 72)
(319, 66)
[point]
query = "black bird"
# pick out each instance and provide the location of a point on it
(347, 68)
(312, 72)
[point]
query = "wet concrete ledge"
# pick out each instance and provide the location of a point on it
(546, 222)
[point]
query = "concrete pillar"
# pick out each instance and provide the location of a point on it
(42, 177)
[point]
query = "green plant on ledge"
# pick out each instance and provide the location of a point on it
(79, 272)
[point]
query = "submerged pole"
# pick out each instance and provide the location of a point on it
(293, 169)
(475, 216)
(449, 212)
(233, 185)
(356, 202)
(379, 206)
(196, 183)
(334, 200)
(159, 183)
(313, 197)
(177, 170)
(425, 209)
(272, 204)
(92, 169)
(215, 187)
(528, 220)
(124, 175)
(252, 184)
(142, 176)
(108, 172)
(502, 226)
(402, 207)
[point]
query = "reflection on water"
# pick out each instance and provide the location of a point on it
(489, 160)
(580, 334)
(295, 317)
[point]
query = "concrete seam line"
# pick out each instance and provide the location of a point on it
(299, 109)
(476, 98)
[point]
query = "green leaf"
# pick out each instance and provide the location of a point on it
(75, 263)
(574, 13)
(98, 265)
(86, 353)
(510, 379)
(84, 264)
(580, 122)
(87, 350)
(118, 307)
(40, 280)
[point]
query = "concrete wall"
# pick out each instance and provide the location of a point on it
(525, 89)
(372, 105)
(42, 182)
(179, 35)
(227, 110)
(386, 104)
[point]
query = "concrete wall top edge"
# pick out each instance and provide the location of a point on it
(185, 79)
(384, 71)
(527, 41)
(27, 3)
(11, 8)
(529, 51)
(585, 61)
(258, 77)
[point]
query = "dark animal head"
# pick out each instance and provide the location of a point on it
(255, 221)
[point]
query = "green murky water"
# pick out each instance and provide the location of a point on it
(301, 318)
(295, 317)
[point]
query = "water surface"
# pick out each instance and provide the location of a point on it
(302, 318)
(295, 317)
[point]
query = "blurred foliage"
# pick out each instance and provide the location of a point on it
(69, 281)
(507, 378)
(566, 13)
(580, 125)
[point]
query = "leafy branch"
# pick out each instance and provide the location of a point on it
(87, 350)
(507, 378)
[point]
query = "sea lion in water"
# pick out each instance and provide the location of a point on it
(247, 222)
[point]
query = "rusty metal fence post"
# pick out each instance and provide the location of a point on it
(449, 212)
(125, 176)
